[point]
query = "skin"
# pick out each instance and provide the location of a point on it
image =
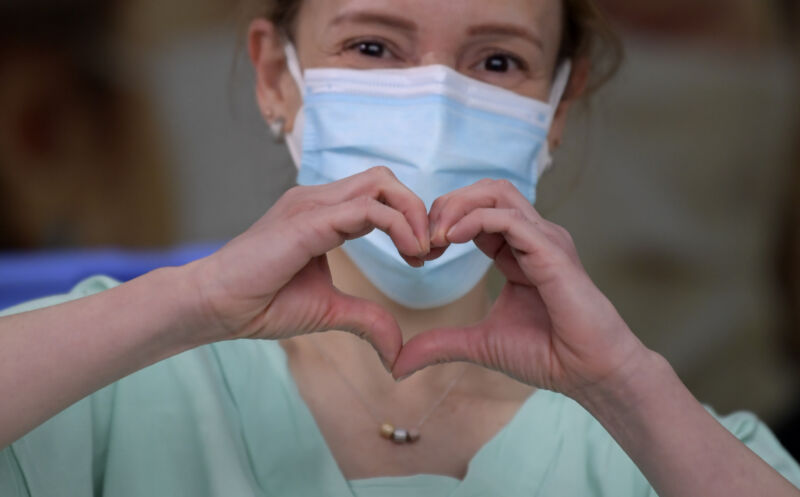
(325, 37)
(550, 328)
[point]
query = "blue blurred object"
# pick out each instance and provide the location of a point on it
(29, 275)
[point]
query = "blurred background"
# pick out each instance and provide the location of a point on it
(129, 137)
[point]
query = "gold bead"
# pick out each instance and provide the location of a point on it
(387, 431)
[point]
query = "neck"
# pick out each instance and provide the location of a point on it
(466, 311)
(356, 359)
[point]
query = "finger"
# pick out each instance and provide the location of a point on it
(524, 238)
(411, 261)
(439, 346)
(328, 227)
(496, 248)
(381, 184)
(490, 244)
(368, 321)
(435, 253)
(414, 261)
(449, 209)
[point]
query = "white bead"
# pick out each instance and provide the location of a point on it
(400, 436)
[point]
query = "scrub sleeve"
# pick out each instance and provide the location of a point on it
(227, 420)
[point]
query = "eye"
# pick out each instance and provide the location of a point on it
(502, 63)
(370, 48)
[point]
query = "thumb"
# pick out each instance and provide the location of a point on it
(368, 321)
(439, 346)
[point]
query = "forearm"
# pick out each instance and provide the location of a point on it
(679, 447)
(53, 357)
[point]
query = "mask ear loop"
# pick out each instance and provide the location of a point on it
(545, 160)
(294, 139)
(293, 63)
(560, 85)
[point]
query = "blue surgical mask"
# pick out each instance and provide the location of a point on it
(438, 131)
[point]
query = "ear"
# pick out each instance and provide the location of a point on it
(277, 93)
(578, 82)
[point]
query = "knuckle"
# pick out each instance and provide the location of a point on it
(364, 202)
(300, 207)
(560, 234)
(565, 234)
(392, 221)
(382, 172)
(294, 192)
(517, 215)
(505, 186)
(436, 207)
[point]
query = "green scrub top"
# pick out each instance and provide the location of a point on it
(227, 420)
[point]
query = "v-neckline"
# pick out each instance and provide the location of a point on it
(477, 458)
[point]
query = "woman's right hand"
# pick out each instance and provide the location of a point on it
(273, 281)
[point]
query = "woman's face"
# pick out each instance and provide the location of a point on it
(513, 44)
(508, 43)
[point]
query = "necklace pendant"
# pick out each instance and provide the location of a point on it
(386, 431)
(399, 435)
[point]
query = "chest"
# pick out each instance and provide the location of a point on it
(455, 431)
(444, 448)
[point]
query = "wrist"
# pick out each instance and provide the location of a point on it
(190, 324)
(213, 313)
(628, 390)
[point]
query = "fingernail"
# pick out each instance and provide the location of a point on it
(438, 239)
(422, 251)
(404, 377)
(387, 364)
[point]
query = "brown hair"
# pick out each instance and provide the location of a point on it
(586, 32)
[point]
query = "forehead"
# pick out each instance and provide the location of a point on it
(444, 16)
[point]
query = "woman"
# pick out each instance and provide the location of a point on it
(463, 96)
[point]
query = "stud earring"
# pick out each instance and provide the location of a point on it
(276, 128)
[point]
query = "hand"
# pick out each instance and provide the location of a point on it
(273, 281)
(550, 327)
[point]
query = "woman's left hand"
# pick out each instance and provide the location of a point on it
(551, 327)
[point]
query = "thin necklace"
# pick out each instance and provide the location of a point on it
(386, 429)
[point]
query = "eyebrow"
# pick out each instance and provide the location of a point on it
(506, 30)
(368, 17)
